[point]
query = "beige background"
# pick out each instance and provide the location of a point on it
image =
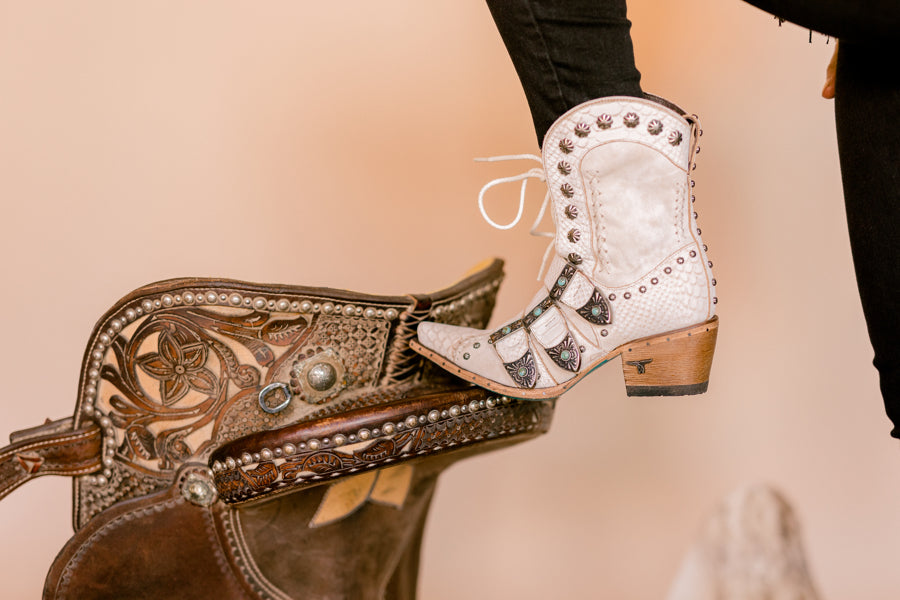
(331, 144)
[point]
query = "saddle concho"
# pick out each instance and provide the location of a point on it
(207, 409)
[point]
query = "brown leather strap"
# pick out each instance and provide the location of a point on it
(54, 448)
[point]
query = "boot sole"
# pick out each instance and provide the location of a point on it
(676, 363)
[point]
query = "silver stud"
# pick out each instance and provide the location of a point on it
(655, 127)
(313, 444)
(235, 300)
(642, 289)
(567, 190)
(387, 428)
(306, 306)
(434, 415)
(328, 308)
(604, 121)
(188, 298)
(604, 332)
(289, 449)
(566, 145)
(631, 120)
(491, 402)
(564, 167)
(571, 211)
(390, 314)
(675, 138)
(574, 235)
(349, 310)
(411, 421)
(246, 458)
(211, 297)
(582, 129)
(283, 305)
(265, 454)
(229, 462)
(365, 434)
(369, 313)
(339, 440)
(454, 411)
(473, 405)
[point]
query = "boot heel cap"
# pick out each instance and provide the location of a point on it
(667, 390)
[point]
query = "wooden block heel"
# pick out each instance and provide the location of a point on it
(676, 363)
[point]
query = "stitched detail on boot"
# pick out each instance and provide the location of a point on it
(599, 223)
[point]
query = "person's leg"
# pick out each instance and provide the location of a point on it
(567, 53)
(867, 111)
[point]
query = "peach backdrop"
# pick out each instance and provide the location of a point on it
(331, 144)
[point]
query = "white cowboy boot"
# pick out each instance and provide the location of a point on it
(629, 274)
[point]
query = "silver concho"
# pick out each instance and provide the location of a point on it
(566, 145)
(198, 488)
(567, 190)
(675, 138)
(564, 167)
(571, 211)
(631, 120)
(582, 129)
(574, 235)
(319, 377)
(566, 354)
(523, 371)
(596, 310)
(655, 127)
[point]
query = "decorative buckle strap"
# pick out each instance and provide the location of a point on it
(53, 448)
(566, 354)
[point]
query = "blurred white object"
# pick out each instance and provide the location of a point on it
(749, 549)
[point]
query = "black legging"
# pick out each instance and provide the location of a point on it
(568, 52)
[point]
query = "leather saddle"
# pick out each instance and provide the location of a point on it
(233, 440)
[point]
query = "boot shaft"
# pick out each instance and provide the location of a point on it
(618, 172)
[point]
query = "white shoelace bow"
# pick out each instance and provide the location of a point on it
(537, 173)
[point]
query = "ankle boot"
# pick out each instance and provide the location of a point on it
(628, 276)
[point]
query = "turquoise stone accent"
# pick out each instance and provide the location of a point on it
(522, 371)
(561, 281)
(507, 329)
(565, 355)
(537, 312)
(595, 311)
